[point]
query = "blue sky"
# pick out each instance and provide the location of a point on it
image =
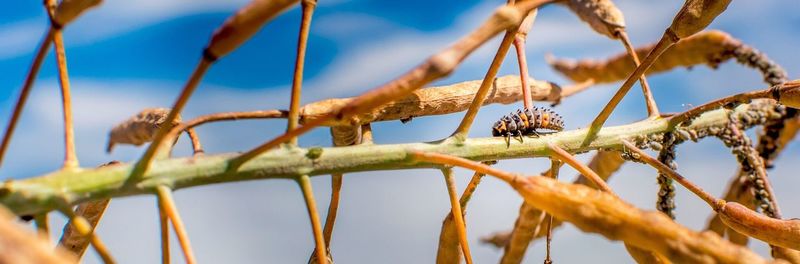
(128, 55)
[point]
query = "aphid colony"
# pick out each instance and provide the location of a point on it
(526, 122)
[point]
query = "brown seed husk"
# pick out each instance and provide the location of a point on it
(141, 128)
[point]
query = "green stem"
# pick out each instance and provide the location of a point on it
(43, 193)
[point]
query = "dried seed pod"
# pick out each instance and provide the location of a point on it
(695, 15)
(789, 94)
(139, 129)
(243, 25)
(602, 15)
(711, 48)
(69, 10)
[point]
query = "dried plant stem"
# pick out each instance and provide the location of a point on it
(297, 81)
(42, 224)
(641, 155)
(603, 213)
(560, 154)
(449, 240)
(519, 45)
(520, 37)
(435, 67)
(652, 108)
(316, 227)
(554, 168)
(163, 221)
(84, 228)
(480, 96)
(70, 158)
(458, 215)
(41, 52)
(197, 148)
(167, 203)
(144, 162)
(333, 207)
(662, 45)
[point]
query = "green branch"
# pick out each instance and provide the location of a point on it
(48, 192)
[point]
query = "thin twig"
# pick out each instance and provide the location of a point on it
(652, 107)
(70, 158)
(520, 37)
(166, 202)
(163, 221)
(316, 227)
(297, 81)
(197, 148)
(555, 167)
(41, 52)
(564, 156)
(458, 216)
(449, 240)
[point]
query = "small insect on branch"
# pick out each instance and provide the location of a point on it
(437, 66)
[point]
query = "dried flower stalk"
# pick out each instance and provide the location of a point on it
(448, 250)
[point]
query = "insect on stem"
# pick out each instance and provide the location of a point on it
(167, 203)
(297, 81)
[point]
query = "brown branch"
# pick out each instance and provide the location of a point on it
(163, 222)
(519, 45)
(316, 227)
(458, 217)
(297, 81)
(448, 250)
(600, 212)
(83, 228)
(41, 52)
(652, 107)
(587, 172)
(167, 203)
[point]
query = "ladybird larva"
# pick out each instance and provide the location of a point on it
(526, 122)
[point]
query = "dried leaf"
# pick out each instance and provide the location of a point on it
(69, 10)
(602, 15)
(696, 15)
(244, 24)
(139, 129)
